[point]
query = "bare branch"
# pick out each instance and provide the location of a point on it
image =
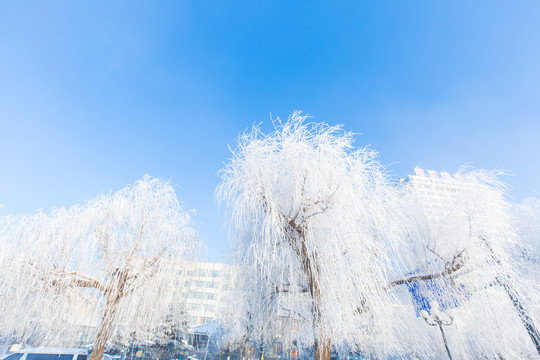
(76, 279)
(449, 268)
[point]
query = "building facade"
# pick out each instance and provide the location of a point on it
(203, 287)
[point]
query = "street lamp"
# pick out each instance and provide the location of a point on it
(440, 319)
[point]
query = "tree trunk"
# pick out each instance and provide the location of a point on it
(323, 349)
(105, 328)
(522, 312)
(323, 345)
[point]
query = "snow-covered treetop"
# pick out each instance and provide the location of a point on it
(308, 211)
(126, 245)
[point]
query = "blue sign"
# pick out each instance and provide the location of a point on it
(447, 294)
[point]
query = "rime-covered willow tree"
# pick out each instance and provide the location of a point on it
(109, 264)
(308, 219)
(462, 247)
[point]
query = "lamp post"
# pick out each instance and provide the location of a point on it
(440, 319)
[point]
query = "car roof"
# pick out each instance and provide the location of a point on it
(44, 350)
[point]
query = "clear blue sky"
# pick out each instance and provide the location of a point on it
(94, 94)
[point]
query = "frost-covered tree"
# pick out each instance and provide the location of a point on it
(461, 247)
(309, 227)
(327, 248)
(109, 264)
(527, 223)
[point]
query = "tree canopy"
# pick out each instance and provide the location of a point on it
(308, 216)
(330, 249)
(109, 264)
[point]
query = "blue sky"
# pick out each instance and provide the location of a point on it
(93, 95)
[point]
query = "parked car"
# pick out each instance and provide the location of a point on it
(48, 354)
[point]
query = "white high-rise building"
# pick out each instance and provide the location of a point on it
(433, 186)
(436, 190)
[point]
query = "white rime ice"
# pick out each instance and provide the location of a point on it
(309, 224)
(109, 264)
(327, 247)
(328, 250)
(469, 242)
